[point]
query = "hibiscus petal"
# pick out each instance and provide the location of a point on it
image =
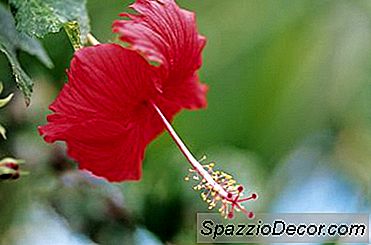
(166, 34)
(103, 114)
(188, 93)
(105, 152)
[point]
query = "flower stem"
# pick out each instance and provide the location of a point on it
(191, 159)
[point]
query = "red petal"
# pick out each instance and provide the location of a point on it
(107, 150)
(164, 33)
(103, 113)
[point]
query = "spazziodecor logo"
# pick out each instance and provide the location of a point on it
(287, 228)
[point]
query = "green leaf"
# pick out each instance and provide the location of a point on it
(10, 42)
(40, 17)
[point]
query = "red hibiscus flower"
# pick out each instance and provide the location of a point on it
(104, 112)
(118, 99)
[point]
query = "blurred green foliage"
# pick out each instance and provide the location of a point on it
(280, 74)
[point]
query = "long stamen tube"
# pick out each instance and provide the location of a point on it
(215, 186)
(92, 40)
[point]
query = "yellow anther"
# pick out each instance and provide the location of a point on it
(210, 190)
